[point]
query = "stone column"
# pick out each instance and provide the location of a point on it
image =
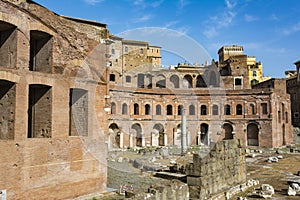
(183, 132)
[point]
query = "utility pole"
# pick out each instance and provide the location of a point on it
(183, 132)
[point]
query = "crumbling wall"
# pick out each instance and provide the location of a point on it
(221, 169)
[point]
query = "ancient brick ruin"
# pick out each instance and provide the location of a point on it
(52, 84)
(222, 168)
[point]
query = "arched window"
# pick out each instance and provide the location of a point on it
(200, 82)
(188, 81)
(227, 110)
(136, 109)
(126, 49)
(113, 108)
(169, 110)
(158, 110)
(215, 110)
(192, 110)
(203, 110)
(179, 111)
(239, 109)
(147, 109)
(141, 50)
(175, 80)
(124, 109)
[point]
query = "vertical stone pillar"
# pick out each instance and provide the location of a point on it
(143, 140)
(183, 132)
(130, 139)
(121, 140)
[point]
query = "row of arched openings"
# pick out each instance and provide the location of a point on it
(146, 81)
(191, 109)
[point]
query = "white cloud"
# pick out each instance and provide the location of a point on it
(182, 4)
(230, 5)
(92, 2)
(250, 18)
(219, 21)
(295, 28)
(143, 18)
(142, 4)
(170, 23)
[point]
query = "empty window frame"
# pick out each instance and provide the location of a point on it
(203, 110)
(78, 103)
(136, 109)
(237, 81)
(192, 110)
(40, 52)
(179, 110)
(215, 110)
(264, 108)
(169, 110)
(124, 109)
(39, 111)
(7, 109)
(147, 109)
(158, 110)
(227, 110)
(112, 77)
(113, 109)
(8, 45)
(128, 79)
(239, 109)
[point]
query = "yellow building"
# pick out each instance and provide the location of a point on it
(255, 72)
(153, 53)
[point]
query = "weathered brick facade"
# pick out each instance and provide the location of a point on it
(219, 102)
(52, 142)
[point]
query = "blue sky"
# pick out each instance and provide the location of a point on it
(268, 29)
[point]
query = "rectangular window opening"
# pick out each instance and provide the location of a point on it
(39, 111)
(78, 112)
(7, 109)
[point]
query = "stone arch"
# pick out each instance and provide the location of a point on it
(115, 137)
(252, 134)
(158, 135)
(203, 137)
(188, 81)
(200, 82)
(161, 81)
(137, 138)
(174, 79)
(228, 131)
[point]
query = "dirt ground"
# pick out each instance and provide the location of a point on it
(275, 174)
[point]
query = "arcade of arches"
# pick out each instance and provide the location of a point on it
(139, 134)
